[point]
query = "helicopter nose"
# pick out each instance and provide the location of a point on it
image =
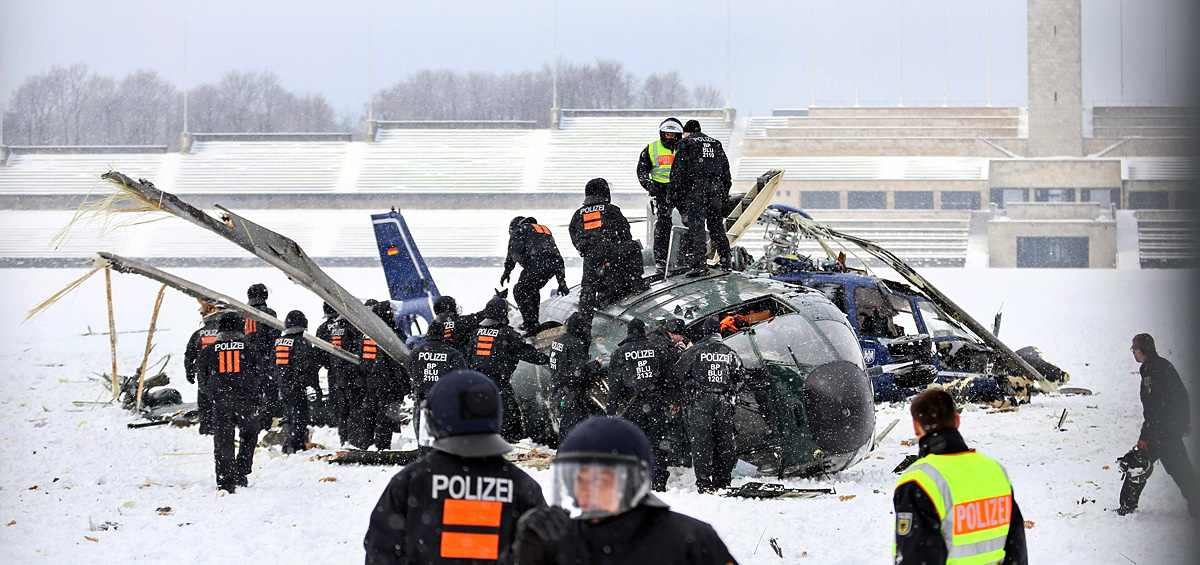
(840, 407)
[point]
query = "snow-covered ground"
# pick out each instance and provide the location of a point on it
(67, 467)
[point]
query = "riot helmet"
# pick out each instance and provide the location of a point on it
(670, 132)
(602, 469)
(462, 415)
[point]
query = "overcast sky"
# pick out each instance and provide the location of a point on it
(322, 46)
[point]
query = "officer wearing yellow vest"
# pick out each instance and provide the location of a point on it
(654, 172)
(954, 505)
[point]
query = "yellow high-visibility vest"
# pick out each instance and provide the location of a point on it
(661, 159)
(973, 499)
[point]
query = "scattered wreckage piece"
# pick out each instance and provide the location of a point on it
(775, 490)
(363, 457)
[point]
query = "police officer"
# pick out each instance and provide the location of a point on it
(383, 382)
(460, 503)
(459, 327)
(1166, 414)
(602, 510)
(428, 362)
(531, 245)
(297, 363)
(261, 339)
(229, 366)
(572, 373)
(344, 376)
(700, 180)
(953, 504)
(495, 350)
(200, 340)
(654, 173)
(641, 384)
(325, 332)
(712, 372)
(612, 263)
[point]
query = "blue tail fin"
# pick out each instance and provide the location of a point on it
(410, 285)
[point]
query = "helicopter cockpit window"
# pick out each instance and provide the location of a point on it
(941, 325)
(737, 318)
(836, 293)
(875, 316)
(793, 335)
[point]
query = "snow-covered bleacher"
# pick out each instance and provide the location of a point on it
(49, 172)
(590, 144)
(1166, 238)
(455, 160)
(261, 167)
(1160, 168)
(926, 237)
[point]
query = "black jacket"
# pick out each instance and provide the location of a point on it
(1166, 409)
(710, 367)
(324, 331)
(571, 369)
(229, 368)
(507, 349)
(532, 246)
(922, 542)
(596, 227)
(461, 329)
(261, 337)
(644, 166)
(415, 522)
(199, 340)
(382, 376)
(649, 533)
(700, 164)
(429, 361)
(640, 368)
(296, 363)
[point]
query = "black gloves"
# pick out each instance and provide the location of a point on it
(191, 378)
(546, 535)
(505, 278)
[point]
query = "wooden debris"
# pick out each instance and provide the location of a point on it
(846, 497)
(328, 480)
(1028, 524)
(90, 538)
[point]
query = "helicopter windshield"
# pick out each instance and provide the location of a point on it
(941, 325)
(793, 339)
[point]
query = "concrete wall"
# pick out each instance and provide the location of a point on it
(1053, 211)
(1180, 147)
(867, 146)
(908, 121)
(917, 131)
(1003, 234)
(1055, 78)
(846, 111)
(1036, 173)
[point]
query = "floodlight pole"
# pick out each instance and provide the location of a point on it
(185, 104)
(856, 44)
(989, 53)
(812, 52)
(901, 53)
(728, 40)
(370, 69)
(944, 53)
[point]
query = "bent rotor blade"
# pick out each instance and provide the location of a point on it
(131, 266)
(279, 251)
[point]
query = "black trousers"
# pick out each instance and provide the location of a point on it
(351, 428)
(651, 416)
(528, 290)
(714, 452)
(1174, 458)
(240, 417)
(572, 409)
(662, 228)
(512, 426)
(203, 407)
(705, 208)
(296, 414)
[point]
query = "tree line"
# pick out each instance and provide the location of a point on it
(71, 105)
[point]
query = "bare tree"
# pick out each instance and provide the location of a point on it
(256, 102)
(707, 96)
(665, 91)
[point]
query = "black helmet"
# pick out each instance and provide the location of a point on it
(636, 328)
(496, 309)
(674, 326)
(329, 311)
(596, 192)
(257, 293)
(463, 413)
(577, 325)
(295, 319)
(692, 126)
(436, 331)
(383, 309)
(601, 451)
(517, 221)
(445, 305)
(672, 126)
(711, 325)
(231, 322)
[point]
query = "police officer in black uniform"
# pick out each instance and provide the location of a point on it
(712, 372)
(1167, 417)
(200, 340)
(460, 503)
(700, 180)
(531, 245)
(261, 338)
(428, 362)
(495, 350)
(572, 373)
(344, 376)
(612, 259)
(641, 386)
(325, 332)
(459, 327)
(231, 370)
(654, 174)
(384, 381)
(602, 511)
(296, 368)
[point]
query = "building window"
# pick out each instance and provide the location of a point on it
(960, 200)
(1052, 252)
(1105, 197)
(906, 200)
(1148, 200)
(1002, 196)
(1186, 200)
(866, 199)
(1054, 195)
(819, 199)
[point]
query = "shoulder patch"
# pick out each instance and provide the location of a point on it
(903, 523)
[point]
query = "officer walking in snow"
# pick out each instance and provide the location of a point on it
(429, 362)
(531, 245)
(297, 363)
(199, 341)
(229, 366)
(641, 384)
(700, 182)
(1167, 419)
(602, 510)
(460, 503)
(261, 338)
(953, 505)
(495, 350)
(612, 260)
(572, 373)
(654, 174)
(712, 373)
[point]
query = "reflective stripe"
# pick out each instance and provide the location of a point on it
(281, 355)
(251, 326)
(471, 513)
(458, 545)
(979, 548)
(945, 512)
(976, 529)
(207, 341)
(541, 229)
(661, 159)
